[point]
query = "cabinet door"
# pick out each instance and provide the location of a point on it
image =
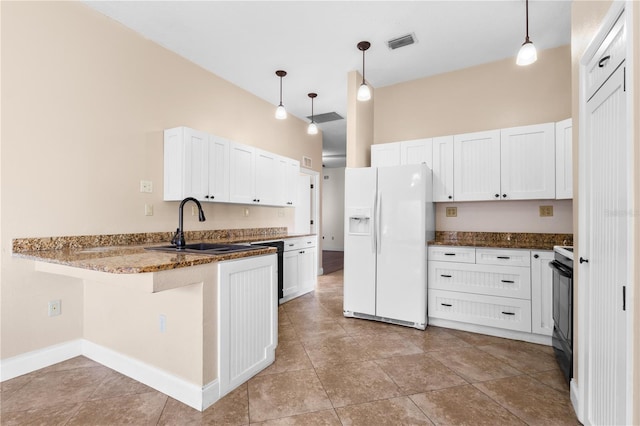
(218, 170)
(266, 178)
(307, 269)
(185, 163)
(241, 174)
(564, 159)
(385, 154)
(291, 273)
(541, 293)
(292, 182)
(443, 168)
(527, 159)
(476, 166)
(247, 319)
(417, 151)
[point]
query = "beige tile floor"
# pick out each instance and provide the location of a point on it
(329, 370)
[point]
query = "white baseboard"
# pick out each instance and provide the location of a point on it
(41, 358)
(492, 331)
(188, 393)
(575, 399)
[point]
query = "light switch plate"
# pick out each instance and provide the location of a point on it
(546, 211)
(146, 186)
(148, 209)
(452, 212)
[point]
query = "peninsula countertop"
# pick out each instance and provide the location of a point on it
(126, 253)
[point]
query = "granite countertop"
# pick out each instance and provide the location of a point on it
(531, 241)
(126, 253)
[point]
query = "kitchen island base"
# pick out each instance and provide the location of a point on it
(172, 330)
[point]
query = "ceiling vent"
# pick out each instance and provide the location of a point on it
(403, 41)
(327, 116)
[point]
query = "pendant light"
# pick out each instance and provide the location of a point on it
(527, 54)
(281, 113)
(364, 92)
(312, 129)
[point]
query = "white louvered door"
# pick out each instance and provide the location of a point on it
(605, 245)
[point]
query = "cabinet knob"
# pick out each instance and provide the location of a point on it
(451, 197)
(206, 196)
(602, 62)
(535, 256)
(212, 197)
(497, 195)
(582, 260)
(504, 195)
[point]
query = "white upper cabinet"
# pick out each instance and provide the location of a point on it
(266, 165)
(188, 158)
(417, 151)
(564, 160)
(211, 168)
(218, 170)
(443, 168)
(292, 182)
(527, 158)
(476, 166)
(385, 154)
(241, 174)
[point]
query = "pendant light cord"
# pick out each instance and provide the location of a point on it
(527, 20)
(363, 67)
(280, 90)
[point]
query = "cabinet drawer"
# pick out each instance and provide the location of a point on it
(500, 312)
(503, 257)
(299, 243)
(452, 254)
(607, 58)
(507, 281)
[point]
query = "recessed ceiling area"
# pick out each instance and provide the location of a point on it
(245, 42)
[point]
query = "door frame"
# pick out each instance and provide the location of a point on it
(578, 391)
(315, 212)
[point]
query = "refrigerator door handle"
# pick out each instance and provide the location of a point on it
(378, 223)
(373, 224)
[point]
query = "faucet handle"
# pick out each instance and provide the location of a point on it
(176, 237)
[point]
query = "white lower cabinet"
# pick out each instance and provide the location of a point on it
(541, 292)
(300, 266)
(492, 311)
(504, 289)
(247, 304)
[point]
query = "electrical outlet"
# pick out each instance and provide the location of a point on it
(194, 210)
(148, 209)
(452, 212)
(546, 211)
(245, 212)
(55, 308)
(146, 186)
(163, 323)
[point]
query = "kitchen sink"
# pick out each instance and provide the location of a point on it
(206, 248)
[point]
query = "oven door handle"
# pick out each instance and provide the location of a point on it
(563, 270)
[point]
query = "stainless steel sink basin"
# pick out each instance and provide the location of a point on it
(206, 248)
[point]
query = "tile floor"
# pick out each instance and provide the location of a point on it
(329, 370)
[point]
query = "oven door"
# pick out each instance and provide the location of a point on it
(563, 300)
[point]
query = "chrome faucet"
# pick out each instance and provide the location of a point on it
(178, 238)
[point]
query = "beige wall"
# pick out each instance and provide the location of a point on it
(84, 104)
(489, 96)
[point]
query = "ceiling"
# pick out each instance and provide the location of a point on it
(245, 42)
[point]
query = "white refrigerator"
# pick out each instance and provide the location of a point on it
(389, 217)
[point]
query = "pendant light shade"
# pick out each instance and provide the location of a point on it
(313, 128)
(364, 91)
(527, 53)
(281, 113)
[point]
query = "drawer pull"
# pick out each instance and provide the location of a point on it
(508, 281)
(508, 313)
(446, 304)
(449, 254)
(504, 257)
(445, 276)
